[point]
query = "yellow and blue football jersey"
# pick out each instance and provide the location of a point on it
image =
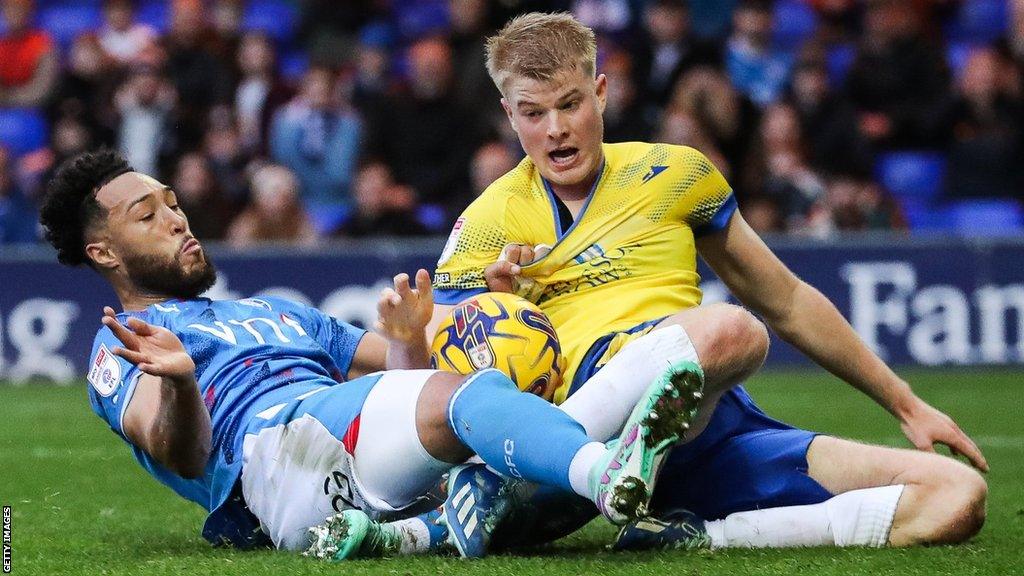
(628, 258)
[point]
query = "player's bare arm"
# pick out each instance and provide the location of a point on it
(166, 416)
(802, 316)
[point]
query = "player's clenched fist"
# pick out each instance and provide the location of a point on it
(404, 311)
(505, 274)
(154, 349)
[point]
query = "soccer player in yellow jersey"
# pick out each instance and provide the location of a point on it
(604, 238)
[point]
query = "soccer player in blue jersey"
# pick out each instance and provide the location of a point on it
(604, 238)
(272, 415)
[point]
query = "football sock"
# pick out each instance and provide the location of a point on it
(419, 534)
(603, 403)
(855, 518)
(518, 435)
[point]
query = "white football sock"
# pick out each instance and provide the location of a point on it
(855, 518)
(603, 403)
(415, 536)
(582, 463)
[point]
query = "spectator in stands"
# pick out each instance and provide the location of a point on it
(606, 17)
(857, 202)
(195, 186)
(382, 206)
(197, 69)
(29, 60)
(373, 79)
(756, 68)
(275, 213)
(668, 50)
(679, 126)
(778, 170)
(17, 215)
(425, 136)
(122, 37)
(986, 154)
(624, 118)
(317, 135)
(828, 120)
(260, 91)
(490, 162)
(724, 114)
(228, 160)
(470, 24)
(146, 104)
(898, 80)
(86, 89)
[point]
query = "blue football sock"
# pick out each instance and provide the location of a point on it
(517, 434)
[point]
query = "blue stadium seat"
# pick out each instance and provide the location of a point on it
(957, 54)
(794, 22)
(979, 21)
(838, 60)
(155, 13)
(433, 217)
(66, 21)
(419, 18)
(987, 217)
(912, 175)
(276, 18)
(923, 217)
(293, 64)
(22, 130)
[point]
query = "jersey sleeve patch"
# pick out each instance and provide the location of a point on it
(453, 241)
(105, 372)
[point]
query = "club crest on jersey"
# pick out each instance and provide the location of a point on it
(453, 241)
(655, 170)
(105, 372)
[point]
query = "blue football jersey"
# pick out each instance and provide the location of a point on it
(252, 357)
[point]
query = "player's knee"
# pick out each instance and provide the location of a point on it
(967, 509)
(958, 499)
(744, 336)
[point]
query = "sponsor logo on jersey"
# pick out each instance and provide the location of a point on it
(655, 170)
(105, 373)
(453, 241)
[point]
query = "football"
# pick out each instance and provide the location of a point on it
(503, 331)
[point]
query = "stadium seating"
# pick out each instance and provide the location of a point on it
(988, 217)
(979, 21)
(277, 18)
(916, 176)
(838, 60)
(66, 20)
(22, 130)
(794, 22)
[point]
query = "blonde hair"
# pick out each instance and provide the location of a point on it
(539, 46)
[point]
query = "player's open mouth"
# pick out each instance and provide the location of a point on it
(563, 156)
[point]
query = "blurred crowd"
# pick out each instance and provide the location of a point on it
(293, 121)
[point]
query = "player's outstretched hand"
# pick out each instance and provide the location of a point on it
(404, 311)
(154, 349)
(925, 426)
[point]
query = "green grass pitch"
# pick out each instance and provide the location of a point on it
(82, 506)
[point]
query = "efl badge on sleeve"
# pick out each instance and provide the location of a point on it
(105, 373)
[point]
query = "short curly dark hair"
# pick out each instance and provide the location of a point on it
(70, 206)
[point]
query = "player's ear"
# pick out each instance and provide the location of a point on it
(102, 255)
(601, 90)
(508, 112)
